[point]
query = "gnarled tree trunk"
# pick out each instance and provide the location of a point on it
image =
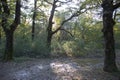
(9, 30)
(108, 23)
(8, 55)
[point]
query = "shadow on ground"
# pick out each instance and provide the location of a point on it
(56, 69)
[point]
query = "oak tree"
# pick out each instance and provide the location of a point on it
(9, 29)
(108, 23)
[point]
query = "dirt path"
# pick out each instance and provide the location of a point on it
(55, 69)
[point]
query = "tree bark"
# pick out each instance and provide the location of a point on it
(49, 38)
(108, 23)
(50, 25)
(33, 22)
(9, 30)
(0, 24)
(0, 35)
(8, 55)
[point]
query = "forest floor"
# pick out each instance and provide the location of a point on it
(56, 69)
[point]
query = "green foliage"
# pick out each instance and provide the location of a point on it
(57, 49)
(2, 48)
(74, 48)
(87, 39)
(39, 47)
(86, 30)
(24, 46)
(117, 37)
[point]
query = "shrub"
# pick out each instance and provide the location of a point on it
(74, 48)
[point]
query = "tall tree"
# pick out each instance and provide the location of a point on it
(0, 21)
(9, 29)
(50, 32)
(33, 19)
(108, 24)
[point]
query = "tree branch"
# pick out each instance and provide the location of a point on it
(5, 7)
(48, 2)
(17, 15)
(17, 12)
(67, 32)
(5, 14)
(63, 22)
(77, 13)
(115, 14)
(64, 2)
(116, 6)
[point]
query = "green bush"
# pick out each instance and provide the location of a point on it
(57, 49)
(74, 48)
(24, 46)
(2, 47)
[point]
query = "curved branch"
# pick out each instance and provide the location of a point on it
(67, 32)
(116, 6)
(48, 2)
(77, 13)
(17, 15)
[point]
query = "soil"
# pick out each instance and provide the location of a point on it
(56, 69)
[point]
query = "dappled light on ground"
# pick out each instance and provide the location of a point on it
(62, 67)
(56, 69)
(21, 74)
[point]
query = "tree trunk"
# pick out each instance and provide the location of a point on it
(108, 23)
(9, 46)
(9, 30)
(0, 24)
(0, 35)
(109, 62)
(33, 22)
(49, 38)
